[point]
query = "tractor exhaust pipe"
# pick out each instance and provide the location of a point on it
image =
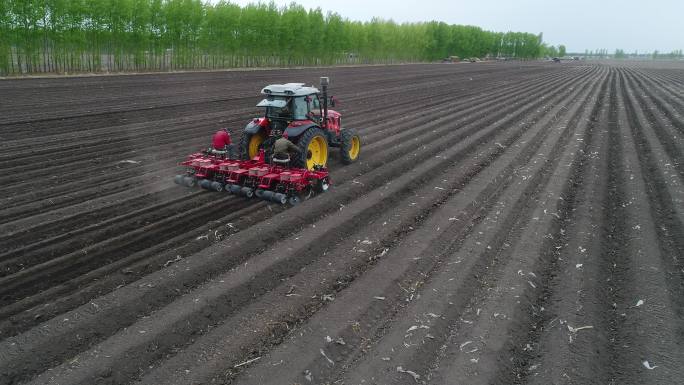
(324, 89)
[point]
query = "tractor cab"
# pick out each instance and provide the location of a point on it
(295, 102)
(281, 111)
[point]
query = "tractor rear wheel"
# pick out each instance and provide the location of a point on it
(250, 144)
(313, 149)
(350, 145)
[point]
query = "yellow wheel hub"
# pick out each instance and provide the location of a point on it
(355, 147)
(254, 143)
(317, 153)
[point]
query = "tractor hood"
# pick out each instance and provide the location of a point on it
(278, 103)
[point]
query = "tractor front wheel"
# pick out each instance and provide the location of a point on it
(350, 145)
(313, 149)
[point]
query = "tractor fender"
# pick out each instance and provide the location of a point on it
(294, 131)
(254, 126)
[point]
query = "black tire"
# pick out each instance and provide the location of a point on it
(243, 146)
(347, 137)
(299, 159)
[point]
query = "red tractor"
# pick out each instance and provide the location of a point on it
(293, 111)
(302, 114)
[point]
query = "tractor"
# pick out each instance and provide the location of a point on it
(292, 110)
(302, 113)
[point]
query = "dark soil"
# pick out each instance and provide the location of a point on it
(506, 223)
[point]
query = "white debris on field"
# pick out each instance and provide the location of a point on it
(413, 374)
(331, 362)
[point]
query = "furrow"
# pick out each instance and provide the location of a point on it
(143, 295)
(659, 96)
(670, 139)
(109, 179)
(443, 119)
(300, 248)
(30, 311)
(475, 295)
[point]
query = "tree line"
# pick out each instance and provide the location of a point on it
(38, 36)
(619, 53)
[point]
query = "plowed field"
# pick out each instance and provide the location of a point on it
(507, 223)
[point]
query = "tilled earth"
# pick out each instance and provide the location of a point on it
(507, 223)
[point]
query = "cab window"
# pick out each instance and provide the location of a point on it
(301, 108)
(315, 103)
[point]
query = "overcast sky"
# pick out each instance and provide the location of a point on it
(632, 25)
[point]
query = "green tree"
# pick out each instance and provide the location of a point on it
(561, 50)
(122, 35)
(340, 37)
(6, 23)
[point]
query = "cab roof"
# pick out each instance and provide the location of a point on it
(289, 89)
